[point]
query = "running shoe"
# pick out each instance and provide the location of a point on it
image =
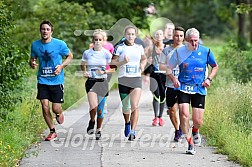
(196, 138)
(161, 122)
(132, 135)
(98, 135)
(51, 137)
(127, 129)
(177, 135)
(60, 118)
(191, 150)
(155, 121)
(90, 128)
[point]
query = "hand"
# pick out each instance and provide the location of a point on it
(176, 83)
(34, 64)
(58, 69)
(86, 74)
(206, 83)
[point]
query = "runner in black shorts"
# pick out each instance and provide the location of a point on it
(129, 57)
(94, 61)
(49, 52)
(171, 93)
(192, 82)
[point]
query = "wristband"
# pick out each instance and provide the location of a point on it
(209, 79)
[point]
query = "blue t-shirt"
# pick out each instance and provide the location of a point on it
(192, 68)
(49, 55)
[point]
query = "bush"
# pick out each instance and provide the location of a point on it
(12, 65)
(239, 61)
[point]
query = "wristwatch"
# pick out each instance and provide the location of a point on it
(209, 79)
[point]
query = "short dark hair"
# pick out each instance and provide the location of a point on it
(46, 22)
(179, 29)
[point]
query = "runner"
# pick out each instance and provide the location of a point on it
(129, 57)
(193, 80)
(94, 61)
(49, 52)
(157, 78)
(171, 94)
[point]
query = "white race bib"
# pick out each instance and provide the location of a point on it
(48, 72)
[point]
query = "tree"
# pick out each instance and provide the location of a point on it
(11, 65)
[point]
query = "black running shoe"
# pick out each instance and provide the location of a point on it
(90, 128)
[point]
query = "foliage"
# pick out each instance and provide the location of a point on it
(206, 16)
(238, 61)
(11, 66)
(70, 20)
(129, 9)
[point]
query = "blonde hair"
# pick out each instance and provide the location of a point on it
(99, 31)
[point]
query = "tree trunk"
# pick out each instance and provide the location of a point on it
(241, 27)
(250, 22)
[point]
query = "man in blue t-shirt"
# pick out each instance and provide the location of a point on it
(193, 80)
(49, 52)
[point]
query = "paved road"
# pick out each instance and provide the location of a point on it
(154, 146)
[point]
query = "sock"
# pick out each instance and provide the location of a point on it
(195, 130)
(127, 123)
(52, 130)
(189, 140)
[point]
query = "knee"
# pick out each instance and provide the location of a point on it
(57, 109)
(45, 108)
(197, 122)
(100, 114)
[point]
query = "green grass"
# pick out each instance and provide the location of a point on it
(228, 117)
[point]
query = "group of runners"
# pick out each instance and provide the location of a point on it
(176, 66)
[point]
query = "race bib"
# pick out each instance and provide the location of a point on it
(48, 72)
(131, 69)
(175, 72)
(191, 89)
(93, 73)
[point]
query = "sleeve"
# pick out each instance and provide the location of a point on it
(84, 56)
(173, 62)
(64, 49)
(33, 53)
(163, 58)
(211, 60)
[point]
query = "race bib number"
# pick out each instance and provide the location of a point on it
(93, 73)
(131, 69)
(48, 72)
(175, 72)
(191, 89)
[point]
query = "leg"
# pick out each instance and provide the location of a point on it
(100, 111)
(126, 112)
(93, 103)
(57, 109)
(173, 116)
(184, 119)
(46, 113)
(134, 101)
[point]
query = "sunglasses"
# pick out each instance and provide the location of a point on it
(97, 39)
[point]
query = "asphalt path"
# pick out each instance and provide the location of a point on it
(154, 145)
